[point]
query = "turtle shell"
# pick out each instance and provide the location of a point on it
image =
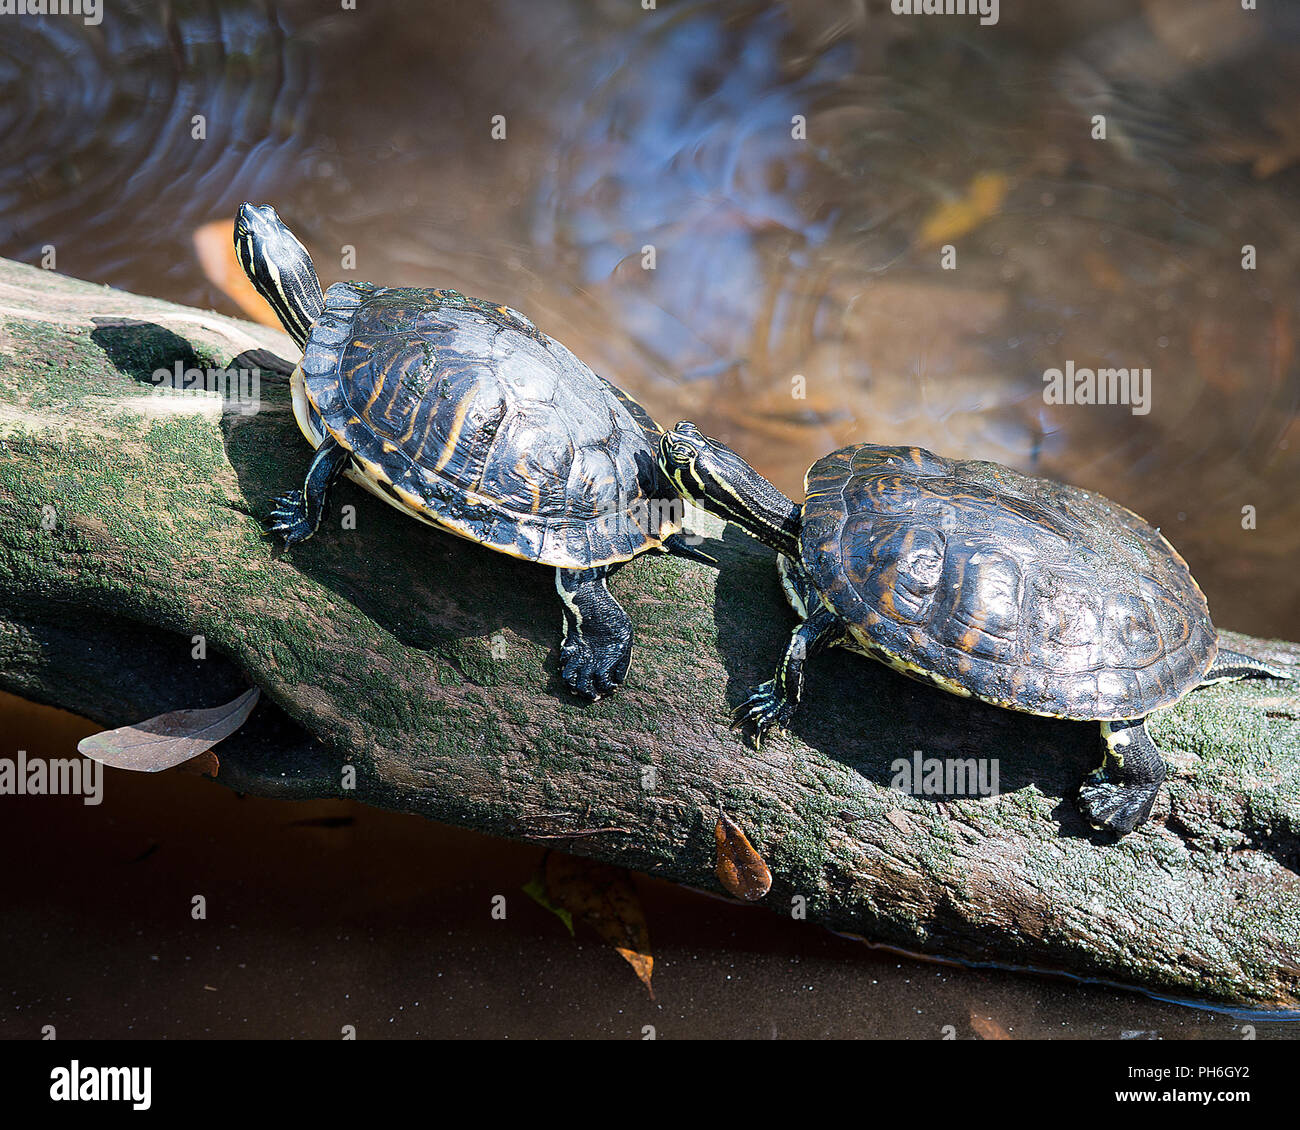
(464, 414)
(1027, 593)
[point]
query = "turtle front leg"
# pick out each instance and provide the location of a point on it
(772, 704)
(596, 650)
(1118, 796)
(298, 514)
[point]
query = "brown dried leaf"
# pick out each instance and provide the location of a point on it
(740, 868)
(603, 897)
(535, 889)
(169, 739)
(1103, 273)
(986, 1028)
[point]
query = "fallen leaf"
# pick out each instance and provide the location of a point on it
(214, 244)
(145, 854)
(740, 868)
(604, 898)
(169, 739)
(1267, 154)
(955, 218)
(986, 1028)
(535, 889)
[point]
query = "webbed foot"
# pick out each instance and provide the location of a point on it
(765, 710)
(289, 521)
(1112, 807)
(1119, 796)
(298, 514)
(596, 650)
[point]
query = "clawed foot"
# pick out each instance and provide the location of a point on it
(594, 664)
(763, 711)
(288, 520)
(1109, 807)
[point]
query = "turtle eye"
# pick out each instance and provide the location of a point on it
(683, 453)
(675, 450)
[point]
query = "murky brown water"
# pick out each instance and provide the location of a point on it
(775, 258)
(780, 264)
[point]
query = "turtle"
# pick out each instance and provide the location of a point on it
(1022, 592)
(461, 413)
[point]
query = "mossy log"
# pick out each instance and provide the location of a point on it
(130, 526)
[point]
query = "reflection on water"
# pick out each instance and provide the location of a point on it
(781, 263)
(777, 166)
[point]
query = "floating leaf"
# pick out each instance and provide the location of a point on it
(959, 217)
(986, 1028)
(1267, 154)
(153, 847)
(1103, 273)
(214, 244)
(604, 898)
(740, 868)
(169, 739)
(535, 889)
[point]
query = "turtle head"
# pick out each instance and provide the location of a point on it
(279, 266)
(701, 468)
(711, 475)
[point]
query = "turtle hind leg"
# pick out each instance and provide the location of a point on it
(1119, 796)
(772, 704)
(298, 514)
(596, 650)
(1231, 665)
